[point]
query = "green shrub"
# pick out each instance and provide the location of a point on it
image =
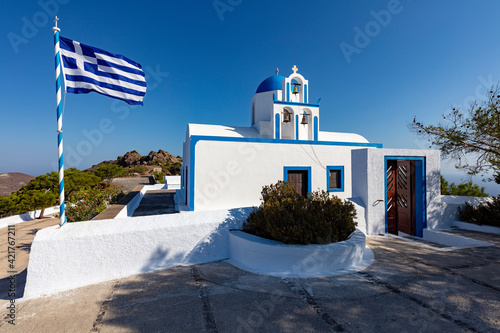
(488, 213)
(138, 169)
(464, 189)
(159, 176)
(108, 172)
(175, 169)
(86, 204)
(286, 216)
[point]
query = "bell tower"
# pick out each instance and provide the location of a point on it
(295, 88)
(280, 108)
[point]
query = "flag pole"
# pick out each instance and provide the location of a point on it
(62, 213)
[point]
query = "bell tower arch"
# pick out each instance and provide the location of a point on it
(295, 88)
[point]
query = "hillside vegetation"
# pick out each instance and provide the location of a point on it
(88, 192)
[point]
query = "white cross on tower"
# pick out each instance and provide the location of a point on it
(55, 20)
(294, 69)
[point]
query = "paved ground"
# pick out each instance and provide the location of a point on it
(408, 288)
(128, 184)
(156, 202)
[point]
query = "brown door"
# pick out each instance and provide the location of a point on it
(298, 180)
(392, 226)
(404, 197)
(401, 197)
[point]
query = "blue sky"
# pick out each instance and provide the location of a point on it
(204, 60)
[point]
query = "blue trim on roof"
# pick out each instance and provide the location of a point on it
(196, 138)
(295, 103)
(270, 84)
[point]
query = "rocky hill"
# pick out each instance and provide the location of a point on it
(12, 181)
(155, 159)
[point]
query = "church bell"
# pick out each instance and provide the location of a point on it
(304, 120)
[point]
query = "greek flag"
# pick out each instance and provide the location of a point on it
(88, 68)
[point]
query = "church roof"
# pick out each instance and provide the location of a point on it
(270, 84)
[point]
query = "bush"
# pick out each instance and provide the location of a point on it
(88, 203)
(138, 169)
(488, 214)
(108, 172)
(159, 176)
(286, 216)
(464, 189)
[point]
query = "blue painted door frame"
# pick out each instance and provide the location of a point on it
(420, 191)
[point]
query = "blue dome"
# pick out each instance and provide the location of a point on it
(270, 84)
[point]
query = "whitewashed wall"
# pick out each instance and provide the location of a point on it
(90, 252)
(231, 174)
(369, 184)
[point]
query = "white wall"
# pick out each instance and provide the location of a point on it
(263, 103)
(231, 174)
(28, 216)
(448, 209)
(369, 184)
(90, 252)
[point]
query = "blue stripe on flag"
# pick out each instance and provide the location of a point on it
(102, 62)
(88, 69)
(78, 78)
(86, 91)
(94, 69)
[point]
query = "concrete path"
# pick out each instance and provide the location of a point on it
(156, 202)
(21, 236)
(408, 288)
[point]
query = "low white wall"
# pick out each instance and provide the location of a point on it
(475, 227)
(173, 182)
(447, 211)
(90, 252)
(28, 216)
(452, 240)
(130, 208)
(269, 257)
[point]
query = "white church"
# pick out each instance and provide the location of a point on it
(224, 167)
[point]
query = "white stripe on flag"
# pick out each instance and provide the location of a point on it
(116, 66)
(71, 71)
(106, 91)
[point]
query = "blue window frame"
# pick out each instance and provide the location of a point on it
(335, 178)
(299, 168)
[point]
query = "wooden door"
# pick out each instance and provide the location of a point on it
(404, 197)
(298, 180)
(400, 177)
(392, 226)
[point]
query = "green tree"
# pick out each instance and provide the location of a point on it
(474, 133)
(175, 169)
(108, 172)
(43, 191)
(464, 189)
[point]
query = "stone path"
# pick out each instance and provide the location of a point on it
(408, 288)
(24, 233)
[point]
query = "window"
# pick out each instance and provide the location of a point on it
(335, 178)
